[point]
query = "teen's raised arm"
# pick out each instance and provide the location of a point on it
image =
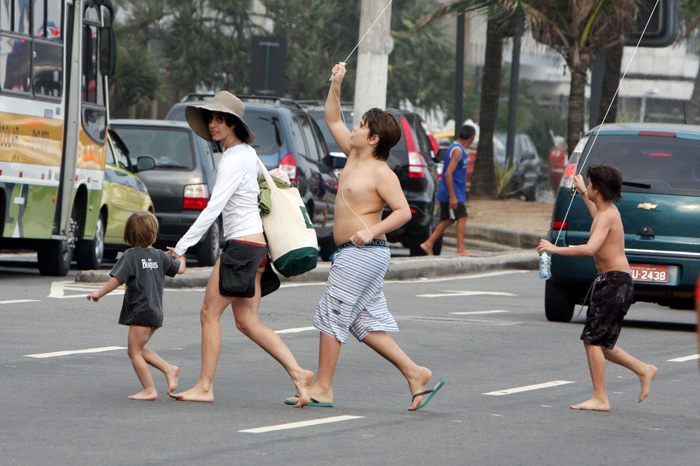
(331, 113)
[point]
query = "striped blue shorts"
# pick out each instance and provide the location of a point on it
(354, 301)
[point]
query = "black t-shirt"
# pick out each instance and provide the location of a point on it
(143, 270)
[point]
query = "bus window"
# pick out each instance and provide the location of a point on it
(5, 11)
(48, 69)
(21, 17)
(15, 64)
(39, 10)
(54, 20)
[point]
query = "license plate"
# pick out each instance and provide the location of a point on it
(649, 273)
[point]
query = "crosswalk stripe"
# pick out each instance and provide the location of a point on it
(526, 388)
(685, 358)
(296, 425)
(67, 353)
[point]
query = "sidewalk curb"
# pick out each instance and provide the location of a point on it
(504, 236)
(400, 269)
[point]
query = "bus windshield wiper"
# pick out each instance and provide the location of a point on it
(636, 184)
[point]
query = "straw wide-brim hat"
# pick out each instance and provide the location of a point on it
(223, 102)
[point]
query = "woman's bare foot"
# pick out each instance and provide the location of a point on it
(417, 385)
(195, 394)
(316, 395)
(172, 377)
(465, 253)
(146, 395)
(593, 405)
(303, 385)
(645, 379)
(428, 248)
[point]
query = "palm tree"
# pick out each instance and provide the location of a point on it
(499, 13)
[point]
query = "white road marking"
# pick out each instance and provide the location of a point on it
(295, 330)
(459, 277)
(17, 301)
(465, 313)
(449, 293)
(527, 388)
(67, 353)
(58, 289)
(685, 358)
(296, 425)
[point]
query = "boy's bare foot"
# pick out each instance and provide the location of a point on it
(427, 248)
(172, 377)
(593, 405)
(465, 253)
(645, 379)
(417, 385)
(195, 394)
(303, 385)
(146, 395)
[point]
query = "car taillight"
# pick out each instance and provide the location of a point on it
(433, 142)
(416, 166)
(567, 181)
(288, 164)
(196, 196)
(559, 225)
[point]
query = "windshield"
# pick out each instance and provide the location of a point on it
(660, 165)
(265, 126)
(330, 142)
(171, 148)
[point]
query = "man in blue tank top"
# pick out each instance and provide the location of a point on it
(452, 192)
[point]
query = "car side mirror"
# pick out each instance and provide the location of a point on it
(145, 163)
(335, 161)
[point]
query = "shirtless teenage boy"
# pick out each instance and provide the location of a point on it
(612, 290)
(353, 301)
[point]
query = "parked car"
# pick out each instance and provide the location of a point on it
(180, 184)
(123, 193)
(527, 176)
(660, 165)
(412, 161)
(289, 139)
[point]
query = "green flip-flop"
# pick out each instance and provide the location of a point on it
(314, 402)
(430, 393)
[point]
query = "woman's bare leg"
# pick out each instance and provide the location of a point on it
(214, 305)
(245, 310)
(138, 337)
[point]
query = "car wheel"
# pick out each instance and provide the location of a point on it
(327, 247)
(209, 249)
(559, 302)
(89, 253)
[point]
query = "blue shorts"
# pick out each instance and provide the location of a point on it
(354, 301)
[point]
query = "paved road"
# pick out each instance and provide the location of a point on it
(483, 334)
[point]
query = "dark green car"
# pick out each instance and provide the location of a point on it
(660, 209)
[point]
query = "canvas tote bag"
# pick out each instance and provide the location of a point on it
(291, 237)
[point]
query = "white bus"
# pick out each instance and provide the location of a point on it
(55, 56)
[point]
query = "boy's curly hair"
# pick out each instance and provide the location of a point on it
(141, 229)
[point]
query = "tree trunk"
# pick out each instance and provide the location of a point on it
(692, 107)
(484, 177)
(611, 80)
(576, 107)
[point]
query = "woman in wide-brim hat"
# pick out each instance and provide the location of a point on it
(236, 282)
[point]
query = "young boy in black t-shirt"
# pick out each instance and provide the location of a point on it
(143, 269)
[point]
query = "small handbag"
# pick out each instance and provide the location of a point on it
(291, 237)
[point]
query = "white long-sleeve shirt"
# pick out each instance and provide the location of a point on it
(235, 194)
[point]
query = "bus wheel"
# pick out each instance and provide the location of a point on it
(89, 253)
(55, 257)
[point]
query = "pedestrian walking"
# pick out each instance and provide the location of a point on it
(143, 269)
(242, 275)
(353, 301)
(612, 291)
(452, 192)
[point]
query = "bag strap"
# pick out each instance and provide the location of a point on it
(270, 183)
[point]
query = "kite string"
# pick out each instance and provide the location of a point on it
(580, 166)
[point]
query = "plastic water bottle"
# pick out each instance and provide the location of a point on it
(545, 266)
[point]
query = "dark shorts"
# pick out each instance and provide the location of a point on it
(240, 261)
(459, 212)
(610, 299)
